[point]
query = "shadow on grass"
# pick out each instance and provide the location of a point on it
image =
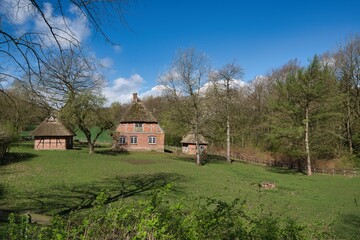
(65, 199)
(2, 191)
(349, 227)
(205, 159)
(214, 159)
(182, 157)
(83, 144)
(110, 152)
(23, 144)
(281, 170)
(14, 157)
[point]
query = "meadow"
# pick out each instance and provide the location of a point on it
(60, 182)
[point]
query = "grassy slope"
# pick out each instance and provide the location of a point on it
(103, 138)
(60, 181)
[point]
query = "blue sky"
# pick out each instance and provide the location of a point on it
(259, 35)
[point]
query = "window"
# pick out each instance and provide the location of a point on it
(133, 140)
(138, 127)
(152, 140)
(122, 140)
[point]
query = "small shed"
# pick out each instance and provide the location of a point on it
(188, 144)
(52, 134)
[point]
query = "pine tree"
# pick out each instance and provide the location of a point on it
(301, 112)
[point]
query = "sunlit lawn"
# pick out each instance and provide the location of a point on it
(57, 182)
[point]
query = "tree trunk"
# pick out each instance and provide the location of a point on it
(307, 147)
(348, 128)
(198, 153)
(228, 157)
(91, 148)
(87, 133)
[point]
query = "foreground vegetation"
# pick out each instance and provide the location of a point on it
(155, 218)
(69, 182)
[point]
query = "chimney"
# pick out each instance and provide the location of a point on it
(135, 97)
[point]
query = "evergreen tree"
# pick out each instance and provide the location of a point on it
(304, 113)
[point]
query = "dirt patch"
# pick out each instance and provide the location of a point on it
(267, 185)
(32, 217)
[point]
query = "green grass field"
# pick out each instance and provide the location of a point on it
(58, 182)
(103, 138)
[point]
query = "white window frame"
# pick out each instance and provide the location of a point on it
(133, 140)
(122, 140)
(138, 127)
(151, 139)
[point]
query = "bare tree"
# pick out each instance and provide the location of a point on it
(66, 76)
(183, 84)
(347, 64)
(17, 110)
(224, 84)
(70, 84)
(40, 48)
(30, 30)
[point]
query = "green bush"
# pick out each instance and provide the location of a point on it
(7, 136)
(156, 218)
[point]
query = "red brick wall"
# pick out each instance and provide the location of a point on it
(191, 148)
(148, 129)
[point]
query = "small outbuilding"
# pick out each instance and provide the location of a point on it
(188, 144)
(52, 134)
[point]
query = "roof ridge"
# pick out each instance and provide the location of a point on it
(52, 126)
(190, 138)
(138, 112)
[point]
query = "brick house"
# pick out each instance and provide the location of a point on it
(52, 134)
(188, 143)
(138, 129)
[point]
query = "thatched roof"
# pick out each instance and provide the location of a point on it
(52, 126)
(138, 113)
(190, 138)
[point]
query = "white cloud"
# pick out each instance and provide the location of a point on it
(121, 89)
(117, 48)
(22, 13)
(259, 79)
(328, 61)
(155, 91)
(234, 83)
(17, 12)
(106, 62)
(74, 27)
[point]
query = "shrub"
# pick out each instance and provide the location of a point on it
(156, 218)
(7, 137)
